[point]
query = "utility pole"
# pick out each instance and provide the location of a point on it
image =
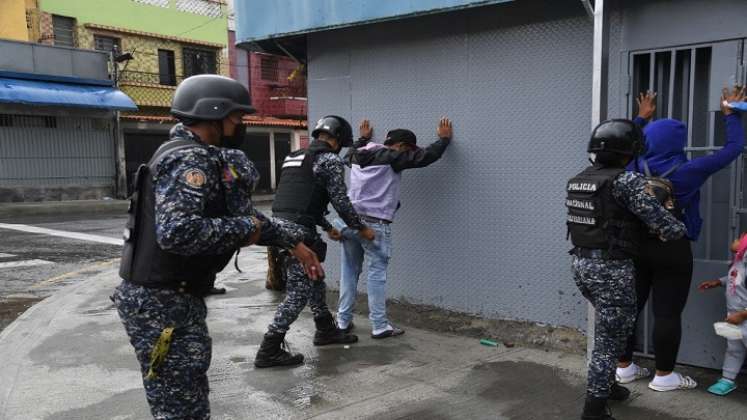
(120, 164)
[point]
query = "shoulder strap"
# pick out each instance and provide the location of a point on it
(168, 147)
(646, 169)
(671, 170)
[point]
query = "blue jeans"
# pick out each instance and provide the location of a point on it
(376, 253)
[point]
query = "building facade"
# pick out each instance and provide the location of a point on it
(57, 123)
(483, 231)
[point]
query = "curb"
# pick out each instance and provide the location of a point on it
(50, 208)
(57, 208)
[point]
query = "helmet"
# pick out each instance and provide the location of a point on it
(210, 97)
(617, 136)
(336, 127)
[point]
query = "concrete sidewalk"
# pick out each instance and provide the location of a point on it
(68, 358)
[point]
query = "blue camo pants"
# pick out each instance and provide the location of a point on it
(300, 290)
(610, 287)
(180, 389)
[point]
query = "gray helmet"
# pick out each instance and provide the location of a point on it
(210, 97)
(336, 127)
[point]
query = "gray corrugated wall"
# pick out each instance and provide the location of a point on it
(480, 231)
(79, 151)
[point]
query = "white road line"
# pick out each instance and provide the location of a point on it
(24, 263)
(63, 234)
(6, 255)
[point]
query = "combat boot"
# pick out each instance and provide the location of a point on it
(619, 392)
(328, 333)
(272, 352)
(596, 409)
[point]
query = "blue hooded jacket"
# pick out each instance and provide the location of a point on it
(666, 140)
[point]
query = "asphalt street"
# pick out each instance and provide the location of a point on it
(35, 265)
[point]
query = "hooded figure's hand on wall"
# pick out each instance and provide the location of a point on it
(737, 94)
(646, 105)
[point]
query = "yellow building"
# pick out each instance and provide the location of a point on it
(15, 21)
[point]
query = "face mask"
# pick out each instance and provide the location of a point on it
(235, 141)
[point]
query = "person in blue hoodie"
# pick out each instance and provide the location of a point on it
(664, 269)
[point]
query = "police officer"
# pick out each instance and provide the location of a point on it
(309, 181)
(609, 211)
(179, 236)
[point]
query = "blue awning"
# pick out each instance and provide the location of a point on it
(37, 92)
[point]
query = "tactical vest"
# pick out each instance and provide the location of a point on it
(143, 261)
(595, 220)
(299, 198)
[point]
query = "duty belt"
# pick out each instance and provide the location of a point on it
(596, 253)
(371, 219)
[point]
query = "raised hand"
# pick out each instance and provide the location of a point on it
(646, 105)
(366, 130)
(737, 94)
(444, 130)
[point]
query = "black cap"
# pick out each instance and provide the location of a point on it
(400, 135)
(210, 97)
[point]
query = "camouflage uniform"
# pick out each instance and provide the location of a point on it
(329, 173)
(239, 178)
(184, 182)
(610, 286)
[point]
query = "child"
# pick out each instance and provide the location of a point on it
(736, 306)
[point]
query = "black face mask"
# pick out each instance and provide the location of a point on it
(235, 141)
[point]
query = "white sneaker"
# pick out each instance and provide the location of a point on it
(672, 382)
(628, 375)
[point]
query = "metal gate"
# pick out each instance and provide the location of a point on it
(689, 80)
(53, 157)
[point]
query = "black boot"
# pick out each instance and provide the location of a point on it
(619, 392)
(328, 333)
(272, 353)
(596, 409)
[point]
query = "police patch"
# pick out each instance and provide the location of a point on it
(195, 178)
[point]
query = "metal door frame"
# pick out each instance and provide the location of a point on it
(736, 193)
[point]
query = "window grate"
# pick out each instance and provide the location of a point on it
(64, 31)
(269, 69)
(106, 43)
(199, 61)
(159, 3)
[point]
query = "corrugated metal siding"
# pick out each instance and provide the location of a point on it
(38, 151)
(481, 231)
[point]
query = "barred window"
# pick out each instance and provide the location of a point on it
(64, 30)
(211, 8)
(198, 61)
(269, 68)
(106, 43)
(159, 3)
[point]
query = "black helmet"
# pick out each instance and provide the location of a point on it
(336, 127)
(617, 136)
(210, 97)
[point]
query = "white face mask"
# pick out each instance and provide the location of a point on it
(592, 157)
